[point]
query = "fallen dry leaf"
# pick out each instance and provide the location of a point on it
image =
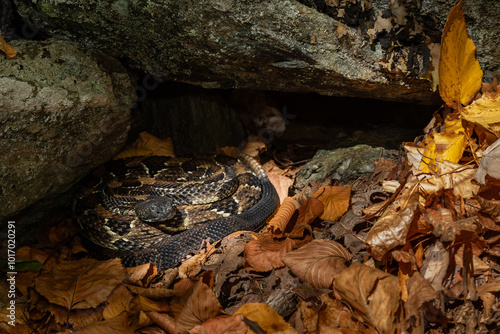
(140, 275)
(266, 317)
(405, 257)
(231, 151)
(488, 222)
(318, 262)
(490, 163)
(9, 51)
(254, 147)
(277, 225)
(265, 253)
(281, 183)
(166, 322)
(372, 292)
(486, 293)
(485, 111)
(233, 324)
(309, 211)
(116, 325)
(460, 75)
(391, 228)
(442, 144)
(144, 304)
(437, 260)
(445, 228)
(335, 200)
(492, 208)
(419, 292)
(197, 304)
(118, 302)
(80, 284)
(147, 144)
(332, 315)
(75, 318)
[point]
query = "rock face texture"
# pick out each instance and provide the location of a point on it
(63, 112)
(377, 49)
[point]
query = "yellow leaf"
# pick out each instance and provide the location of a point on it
(459, 72)
(448, 145)
(485, 112)
(268, 319)
(9, 51)
(147, 144)
(335, 200)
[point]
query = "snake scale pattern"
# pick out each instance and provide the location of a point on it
(160, 209)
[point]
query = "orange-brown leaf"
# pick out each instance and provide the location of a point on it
(265, 254)
(147, 144)
(309, 211)
(9, 51)
(318, 262)
(278, 223)
(335, 200)
(118, 302)
(166, 322)
(460, 75)
(233, 324)
(268, 319)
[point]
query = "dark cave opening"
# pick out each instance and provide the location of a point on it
(201, 120)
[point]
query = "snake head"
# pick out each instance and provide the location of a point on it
(155, 209)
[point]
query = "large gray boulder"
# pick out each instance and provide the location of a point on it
(374, 49)
(63, 111)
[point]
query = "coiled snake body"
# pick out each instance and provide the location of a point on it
(159, 209)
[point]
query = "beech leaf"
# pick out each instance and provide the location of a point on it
(199, 303)
(335, 200)
(318, 262)
(116, 325)
(373, 293)
(233, 324)
(264, 254)
(80, 284)
(460, 75)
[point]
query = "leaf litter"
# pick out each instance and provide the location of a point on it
(414, 248)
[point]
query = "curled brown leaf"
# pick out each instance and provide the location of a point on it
(279, 222)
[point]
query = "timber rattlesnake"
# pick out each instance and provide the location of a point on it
(159, 209)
